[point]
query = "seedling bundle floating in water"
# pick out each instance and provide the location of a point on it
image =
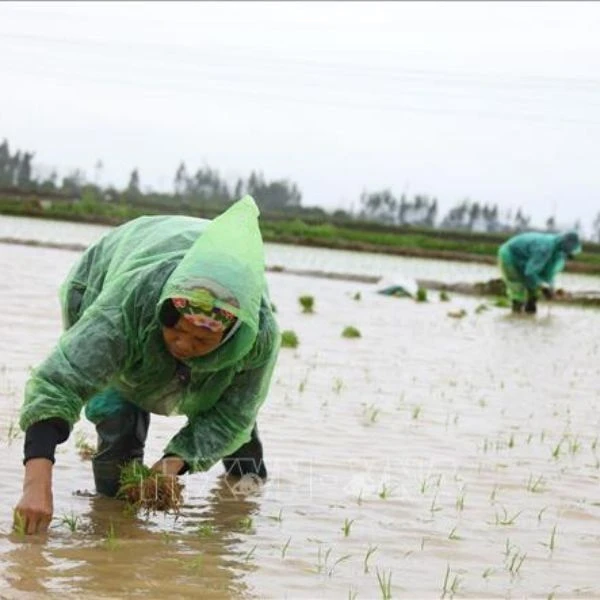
(289, 339)
(307, 303)
(350, 332)
(145, 489)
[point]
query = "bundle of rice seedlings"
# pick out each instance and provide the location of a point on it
(149, 491)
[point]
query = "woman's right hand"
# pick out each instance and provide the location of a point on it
(33, 513)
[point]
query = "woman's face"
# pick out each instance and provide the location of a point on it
(185, 340)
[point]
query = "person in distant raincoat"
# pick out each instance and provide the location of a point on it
(529, 263)
(165, 315)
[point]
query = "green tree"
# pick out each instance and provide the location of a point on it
(133, 187)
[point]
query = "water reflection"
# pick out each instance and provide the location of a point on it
(111, 554)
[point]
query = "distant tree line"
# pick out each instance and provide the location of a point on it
(204, 187)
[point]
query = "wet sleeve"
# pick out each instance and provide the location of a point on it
(42, 437)
(537, 263)
(85, 359)
(227, 425)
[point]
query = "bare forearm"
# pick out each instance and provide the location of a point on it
(33, 513)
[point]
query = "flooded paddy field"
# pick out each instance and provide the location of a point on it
(432, 456)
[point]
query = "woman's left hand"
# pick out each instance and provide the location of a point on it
(169, 465)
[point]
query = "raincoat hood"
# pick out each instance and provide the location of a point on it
(228, 260)
(569, 243)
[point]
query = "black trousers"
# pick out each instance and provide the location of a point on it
(122, 437)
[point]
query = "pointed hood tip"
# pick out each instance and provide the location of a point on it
(247, 201)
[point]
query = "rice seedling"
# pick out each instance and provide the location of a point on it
(421, 295)
(508, 548)
(450, 587)
(488, 573)
(515, 562)
(574, 445)
(85, 450)
(416, 412)
(250, 554)
(338, 384)
(502, 303)
(444, 297)
(352, 594)
(357, 296)
(540, 514)
(371, 412)
(493, 494)
(347, 526)
(110, 541)
(433, 506)
(385, 492)
(552, 543)
(594, 444)
(245, 524)
(337, 562)
(205, 530)
(457, 314)
(278, 517)
(307, 303)
(385, 583)
(322, 558)
(535, 486)
(359, 497)
(511, 441)
(285, 547)
(351, 332)
(71, 521)
(557, 448)
(481, 308)
(12, 433)
(460, 500)
(144, 489)
(289, 339)
(453, 535)
(506, 520)
(370, 551)
(196, 564)
(19, 524)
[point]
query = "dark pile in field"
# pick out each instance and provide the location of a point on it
(144, 489)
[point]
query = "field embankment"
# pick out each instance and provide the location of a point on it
(305, 231)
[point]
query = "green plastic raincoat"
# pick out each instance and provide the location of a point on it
(531, 260)
(113, 348)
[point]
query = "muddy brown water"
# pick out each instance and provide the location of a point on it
(456, 451)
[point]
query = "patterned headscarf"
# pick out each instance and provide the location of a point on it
(203, 309)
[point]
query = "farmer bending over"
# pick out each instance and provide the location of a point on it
(529, 262)
(165, 315)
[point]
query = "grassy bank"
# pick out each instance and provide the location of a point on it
(349, 235)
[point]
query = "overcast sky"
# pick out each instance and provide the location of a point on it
(498, 102)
